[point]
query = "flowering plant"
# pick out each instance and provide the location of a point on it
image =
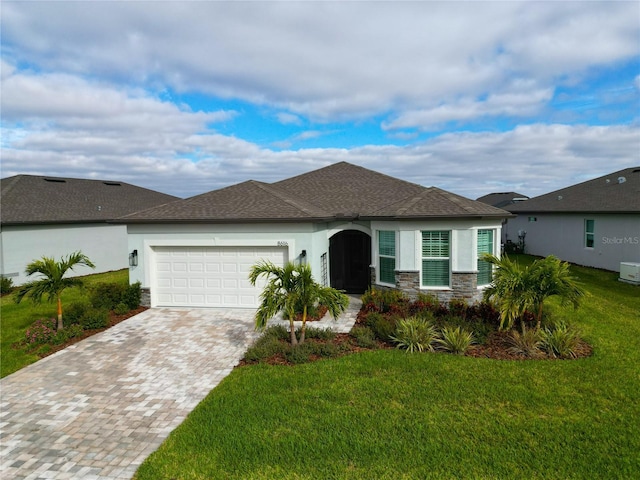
(42, 331)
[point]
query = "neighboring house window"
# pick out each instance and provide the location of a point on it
(436, 259)
(589, 233)
(485, 245)
(387, 256)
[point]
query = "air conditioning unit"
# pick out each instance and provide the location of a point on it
(630, 272)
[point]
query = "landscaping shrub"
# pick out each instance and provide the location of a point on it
(319, 333)
(364, 337)
(415, 335)
(455, 340)
(74, 313)
(383, 327)
(265, 347)
(277, 331)
(41, 331)
(121, 309)
(110, 295)
(527, 342)
(95, 318)
(67, 333)
(6, 285)
(560, 341)
(107, 295)
(300, 353)
(384, 301)
(132, 296)
(485, 312)
(458, 307)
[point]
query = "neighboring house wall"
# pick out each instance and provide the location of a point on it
(105, 245)
(616, 237)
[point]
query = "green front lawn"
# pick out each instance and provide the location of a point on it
(388, 414)
(16, 318)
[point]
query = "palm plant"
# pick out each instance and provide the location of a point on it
(289, 287)
(52, 283)
(519, 290)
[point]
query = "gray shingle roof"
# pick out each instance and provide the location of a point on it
(337, 191)
(30, 199)
(618, 192)
(249, 201)
(502, 199)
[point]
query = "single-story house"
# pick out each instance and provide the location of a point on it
(595, 223)
(54, 216)
(355, 227)
(503, 200)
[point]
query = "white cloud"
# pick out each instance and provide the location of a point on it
(288, 118)
(326, 60)
(508, 104)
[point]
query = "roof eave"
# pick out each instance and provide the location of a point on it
(183, 221)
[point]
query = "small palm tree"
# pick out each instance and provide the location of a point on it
(519, 290)
(289, 287)
(52, 284)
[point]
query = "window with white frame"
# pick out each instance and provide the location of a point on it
(589, 233)
(436, 259)
(387, 256)
(485, 245)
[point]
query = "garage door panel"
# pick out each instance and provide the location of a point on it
(210, 276)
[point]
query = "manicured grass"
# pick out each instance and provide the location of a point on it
(16, 318)
(388, 414)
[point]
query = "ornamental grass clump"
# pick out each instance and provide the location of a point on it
(415, 335)
(455, 340)
(526, 343)
(560, 341)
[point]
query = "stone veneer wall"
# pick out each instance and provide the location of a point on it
(145, 297)
(464, 285)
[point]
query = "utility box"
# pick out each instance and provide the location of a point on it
(630, 272)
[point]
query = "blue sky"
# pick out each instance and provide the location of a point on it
(186, 97)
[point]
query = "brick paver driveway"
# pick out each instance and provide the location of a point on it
(98, 408)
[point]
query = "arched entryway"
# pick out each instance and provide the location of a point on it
(349, 260)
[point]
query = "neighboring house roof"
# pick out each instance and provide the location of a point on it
(618, 192)
(502, 199)
(338, 191)
(30, 199)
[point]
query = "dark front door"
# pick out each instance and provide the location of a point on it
(349, 260)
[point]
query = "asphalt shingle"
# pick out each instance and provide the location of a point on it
(617, 192)
(340, 190)
(30, 199)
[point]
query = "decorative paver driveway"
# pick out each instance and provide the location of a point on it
(100, 407)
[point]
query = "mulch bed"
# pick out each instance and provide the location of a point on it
(113, 320)
(496, 347)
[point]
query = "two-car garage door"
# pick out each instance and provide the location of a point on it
(210, 276)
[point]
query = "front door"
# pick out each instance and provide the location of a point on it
(349, 261)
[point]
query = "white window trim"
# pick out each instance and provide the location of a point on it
(586, 234)
(495, 232)
(421, 259)
(379, 255)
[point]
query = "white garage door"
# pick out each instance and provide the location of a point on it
(210, 276)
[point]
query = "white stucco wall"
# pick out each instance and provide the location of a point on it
(105, 245)
(294, 237)
(314, 238)
(463, 241)
(617, 238)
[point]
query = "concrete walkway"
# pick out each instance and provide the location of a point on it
(100, 407)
